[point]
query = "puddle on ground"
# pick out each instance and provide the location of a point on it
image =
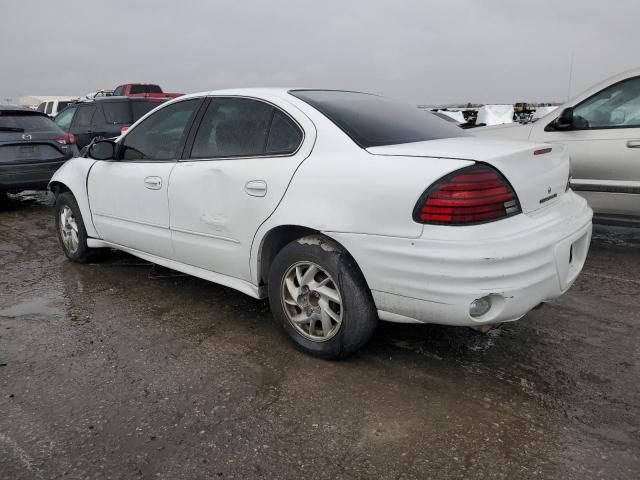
(33, 306)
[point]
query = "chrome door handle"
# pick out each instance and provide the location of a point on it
(256, 188)
(153, 183)
(633, 144)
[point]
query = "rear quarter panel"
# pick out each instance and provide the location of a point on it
(356, 193)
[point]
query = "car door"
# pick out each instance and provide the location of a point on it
(237, 166)
(128, 196)
(81, 125)
(604, 145)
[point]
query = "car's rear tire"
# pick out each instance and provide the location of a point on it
(320, 298)
(70, 229)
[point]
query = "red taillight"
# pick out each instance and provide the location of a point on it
(476, 194)
(66, 139)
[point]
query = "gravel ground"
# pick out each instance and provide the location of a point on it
(124, 370)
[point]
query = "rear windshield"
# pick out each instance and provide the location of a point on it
(145, 89)
(127, 112)
(26, 122)
(372, 121)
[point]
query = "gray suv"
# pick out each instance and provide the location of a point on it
(32, 148)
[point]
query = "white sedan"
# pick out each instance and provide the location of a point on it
(343, 208)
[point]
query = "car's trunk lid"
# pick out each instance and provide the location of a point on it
(537, 172)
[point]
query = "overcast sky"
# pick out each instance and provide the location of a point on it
(423, 51)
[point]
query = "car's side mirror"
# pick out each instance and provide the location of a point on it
(565, 120)
(103, 150)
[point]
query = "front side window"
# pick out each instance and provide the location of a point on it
(159, 135)
(615, 106)
(243, 127)
(371, 120)
(63, 120)
(41, 107)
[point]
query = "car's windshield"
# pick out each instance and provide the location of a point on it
(372, 121)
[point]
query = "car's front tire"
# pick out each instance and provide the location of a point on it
(320, 299)
(70, 229)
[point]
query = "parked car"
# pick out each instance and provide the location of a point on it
(150, 90)
(32, 148)
(343, 208)
(55, 106)
(601, 129)
(103, 117)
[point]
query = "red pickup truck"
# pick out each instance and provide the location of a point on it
(147, 90)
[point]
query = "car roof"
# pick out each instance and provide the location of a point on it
(19, 108)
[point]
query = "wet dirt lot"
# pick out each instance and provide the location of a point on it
(123, 370)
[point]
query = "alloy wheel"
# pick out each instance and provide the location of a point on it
(312, 301)
(69, 229)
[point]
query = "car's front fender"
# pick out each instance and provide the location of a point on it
(72, 176)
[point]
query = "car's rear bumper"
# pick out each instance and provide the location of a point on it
(519, 262)
(36, 175)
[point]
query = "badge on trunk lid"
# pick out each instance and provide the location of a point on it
(548, 197)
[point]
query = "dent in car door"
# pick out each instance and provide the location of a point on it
(128, 197)
(233, 181)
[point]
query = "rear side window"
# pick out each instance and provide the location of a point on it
(139, 109)
(284, 135)
(84, 116)
(372, 121)
(117, 113)
(27, 122)
(242, 127)
(137, 89)
(49, 108)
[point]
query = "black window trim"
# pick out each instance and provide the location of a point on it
(550, 128)
(183, 141)
(186, 157)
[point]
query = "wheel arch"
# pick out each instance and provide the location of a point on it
(58, 187)
(278, 237)
(72, 177)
